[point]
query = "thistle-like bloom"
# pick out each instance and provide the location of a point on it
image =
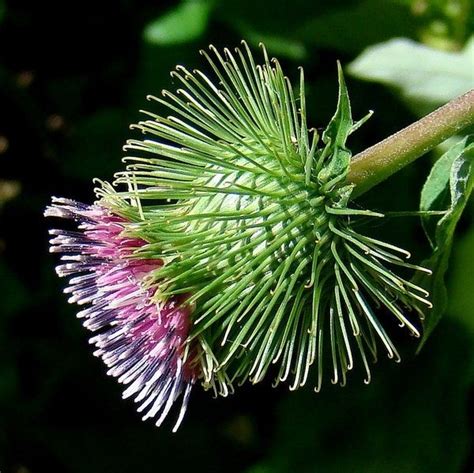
(227, 250)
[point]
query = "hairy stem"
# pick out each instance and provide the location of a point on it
(375, 164)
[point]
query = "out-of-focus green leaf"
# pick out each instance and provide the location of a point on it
(461, 300)
(2, 10)
(353, 28)
(279, 45)
(184, 23)
(451, 179)
(276, 18)
(421, 74)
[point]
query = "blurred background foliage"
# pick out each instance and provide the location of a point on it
(72, 77)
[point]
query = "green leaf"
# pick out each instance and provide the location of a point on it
(336, 133)
(184, 23)
(276, 44)
(451, 179)
(340, 125)
(423, 75)
(3, 9)
(351, 28)
(461, 300)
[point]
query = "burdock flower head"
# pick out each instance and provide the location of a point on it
(226, 250)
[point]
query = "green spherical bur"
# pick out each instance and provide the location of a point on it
(250, 217)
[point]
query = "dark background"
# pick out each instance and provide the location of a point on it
(72, 77)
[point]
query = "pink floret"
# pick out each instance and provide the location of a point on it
(141, 341)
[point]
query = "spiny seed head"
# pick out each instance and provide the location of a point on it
(242, 218)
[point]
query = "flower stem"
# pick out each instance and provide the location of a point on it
(380, 161)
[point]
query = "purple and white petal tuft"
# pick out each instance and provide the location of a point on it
(139, 340)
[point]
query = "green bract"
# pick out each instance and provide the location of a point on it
(248, 210)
